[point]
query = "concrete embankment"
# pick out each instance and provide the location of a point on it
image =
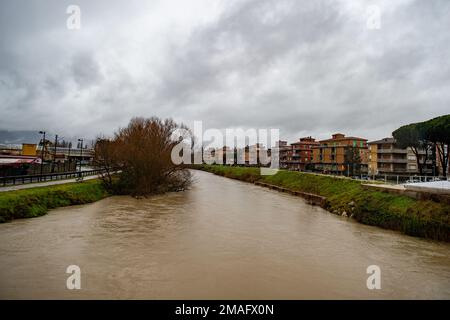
(313, 199)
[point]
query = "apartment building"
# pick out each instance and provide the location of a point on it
(283, 149)
(256, 154)
(300, 156)
(341, 155)
(386, 158)
(224, 155)
(297, 155)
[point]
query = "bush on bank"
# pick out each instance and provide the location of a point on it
(138, 159)
(420, 218)
(34, 202)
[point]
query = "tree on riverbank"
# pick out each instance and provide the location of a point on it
(437, 131)
(432, 136)
(141, 154)
(352, 161)
(411, 136)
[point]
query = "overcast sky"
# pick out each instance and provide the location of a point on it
(305, 67)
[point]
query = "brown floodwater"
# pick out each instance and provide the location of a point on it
(221, 239)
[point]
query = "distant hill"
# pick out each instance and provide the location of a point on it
(30, 136)
(18, 137)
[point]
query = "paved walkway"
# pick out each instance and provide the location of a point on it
(386, 186)
(440, 187)
(42, 184)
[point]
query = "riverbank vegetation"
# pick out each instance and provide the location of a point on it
(34, 202)
(347, 197)
(137, 161)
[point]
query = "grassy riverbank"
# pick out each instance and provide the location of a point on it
(34, 202)
(426, 219)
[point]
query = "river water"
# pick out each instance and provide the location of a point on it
(222, 239)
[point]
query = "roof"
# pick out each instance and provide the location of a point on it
(383, 141)
(344, 138)
(306, 142)
(15, 160)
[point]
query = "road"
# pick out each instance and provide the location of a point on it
(42, 184)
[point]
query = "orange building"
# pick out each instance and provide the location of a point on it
(299, 155)
(341, 155)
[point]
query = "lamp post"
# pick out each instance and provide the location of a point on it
(81, 152)
(68, 156)
(54, 153)
(42, 153)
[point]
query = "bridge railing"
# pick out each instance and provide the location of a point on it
(14, 180)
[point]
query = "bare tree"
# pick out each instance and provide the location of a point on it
(106, 159)
(141, 155)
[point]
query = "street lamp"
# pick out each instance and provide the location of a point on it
(68, 157)
(54, 154)
(81, 152)
(42, 152)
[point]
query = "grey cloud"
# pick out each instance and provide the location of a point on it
(307, 67)
(85, 70)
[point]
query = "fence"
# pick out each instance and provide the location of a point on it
(399, 179)
(13, 180)
(37, 169)
(386, 178)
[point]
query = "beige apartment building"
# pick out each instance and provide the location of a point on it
(386, 158)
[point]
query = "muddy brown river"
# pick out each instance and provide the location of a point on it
(222, 239)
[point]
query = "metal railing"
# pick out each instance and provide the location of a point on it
(401, 179)
(392, 150)
(392, 160)
(386, 178)
(14, 180)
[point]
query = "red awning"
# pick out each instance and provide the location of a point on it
(10, 161)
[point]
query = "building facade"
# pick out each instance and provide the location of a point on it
(300, 155)
(283, 153)
(341, 155)
(388, 159)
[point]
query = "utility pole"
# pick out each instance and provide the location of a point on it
(54, 154)
(68, 156)
(81, 153)
(42, 153)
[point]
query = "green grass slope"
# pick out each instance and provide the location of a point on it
(34, 202)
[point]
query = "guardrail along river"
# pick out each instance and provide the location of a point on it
(221, 239)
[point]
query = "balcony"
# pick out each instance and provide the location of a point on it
(389, 170)
(392, 150)
(392, 160)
